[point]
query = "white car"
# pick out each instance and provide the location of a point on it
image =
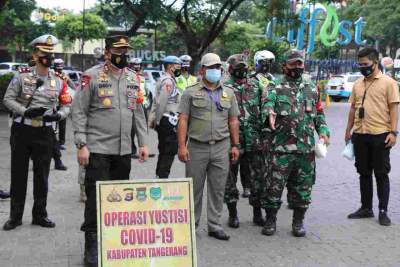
(7, 67)
(340, 86)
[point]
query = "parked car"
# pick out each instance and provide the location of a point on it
(340, 86)
(74, 75)
(152, 76)
(7, 67)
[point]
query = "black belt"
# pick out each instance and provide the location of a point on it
(210, 142)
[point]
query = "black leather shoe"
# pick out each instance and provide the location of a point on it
(90, 257)
(62, 147)
(11, 224)
(43, 222)
(246, 193)
(60, 167)
(4, 195)
(220, 235)
(384, 219)
(233, 222)
(135, 156)
(152, 155)
(361, 214)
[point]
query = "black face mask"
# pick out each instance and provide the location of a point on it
(294, 73)
(367, 71)
(119, 61)
(46, 60)
(263, 67)
(239, 73)
(177, 73)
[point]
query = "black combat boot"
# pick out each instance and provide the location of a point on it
(59, 165)
(257, 217)
(90, 249)
(297, 226)
(233, 221)
(270, 225)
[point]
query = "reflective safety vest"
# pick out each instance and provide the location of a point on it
(182, 82)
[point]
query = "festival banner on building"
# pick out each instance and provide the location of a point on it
(146, 223)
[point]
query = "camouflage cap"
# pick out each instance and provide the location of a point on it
(236, 60)
(117, 41)
(292, 56)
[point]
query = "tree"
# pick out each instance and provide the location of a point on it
(70, 28)
(15, 24)
(131, 14)
(382, 19)
(200, 22)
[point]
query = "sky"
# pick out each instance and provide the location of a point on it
(75, 5)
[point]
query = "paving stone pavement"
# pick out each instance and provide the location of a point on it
(332, 239)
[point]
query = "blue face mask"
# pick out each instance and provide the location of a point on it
(213, 75)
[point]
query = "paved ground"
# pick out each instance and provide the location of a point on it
(332, 240)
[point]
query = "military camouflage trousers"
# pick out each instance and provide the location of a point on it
(256, 164)
(297, 172)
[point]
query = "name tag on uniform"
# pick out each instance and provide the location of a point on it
(53, 83)
(199, 94)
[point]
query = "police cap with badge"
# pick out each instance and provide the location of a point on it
(45, 44)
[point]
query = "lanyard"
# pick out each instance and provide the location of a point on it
(365, 92)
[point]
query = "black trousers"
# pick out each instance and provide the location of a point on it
(102, 168)
(372, 155)
(36, 143)
(56, 148)
(245, 171)
(62, 126)
(167, 147)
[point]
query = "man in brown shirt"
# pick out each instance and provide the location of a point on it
(372, 127)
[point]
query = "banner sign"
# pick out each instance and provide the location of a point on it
(332, 31)
(146, 223)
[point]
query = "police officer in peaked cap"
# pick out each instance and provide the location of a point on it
(33, 98)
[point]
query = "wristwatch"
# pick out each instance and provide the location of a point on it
(236, 145)
(80, 145)
(395, 133)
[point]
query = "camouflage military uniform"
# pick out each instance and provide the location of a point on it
(251, 119)
(299, 114)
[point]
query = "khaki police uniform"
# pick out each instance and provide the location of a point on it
(208, 145)
(102, 120)
(166, 116)
(32, 137)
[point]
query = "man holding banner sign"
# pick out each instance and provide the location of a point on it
(102, 120)
(209, 117)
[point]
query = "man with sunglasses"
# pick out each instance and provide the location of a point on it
(208, 117)
(33, 98)
(372, 127)
(102, 113)
(295, 113)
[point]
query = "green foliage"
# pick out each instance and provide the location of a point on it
(4, 82)
(70, 27)
(236, 38)
(138, 42)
